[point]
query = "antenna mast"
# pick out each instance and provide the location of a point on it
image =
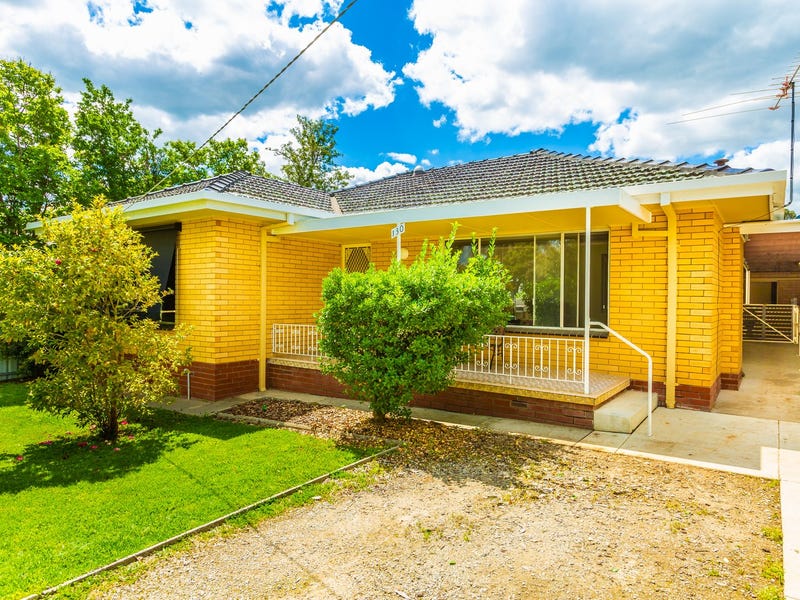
(786, 86)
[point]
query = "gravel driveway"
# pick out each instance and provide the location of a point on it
(463, 513)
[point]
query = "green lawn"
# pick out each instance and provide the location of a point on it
(70, 503)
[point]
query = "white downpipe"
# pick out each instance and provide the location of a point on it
(188, 374)
(649, 372)
(746, 284)
(586, 296)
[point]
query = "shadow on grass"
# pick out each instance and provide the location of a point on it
(206, 426)
(72, 459)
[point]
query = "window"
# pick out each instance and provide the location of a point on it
(163, 241)
(355, 259)
(547, 278)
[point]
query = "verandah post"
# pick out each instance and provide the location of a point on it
(587, 251)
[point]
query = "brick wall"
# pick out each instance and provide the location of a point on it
(219, 294)
(218, 290)
(729, 354)
(295, 270)
(311, 381)
(637, 305)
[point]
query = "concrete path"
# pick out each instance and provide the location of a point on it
(739, 444)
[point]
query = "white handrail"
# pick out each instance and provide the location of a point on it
(649, 371)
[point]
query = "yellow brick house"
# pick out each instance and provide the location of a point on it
(606, 256)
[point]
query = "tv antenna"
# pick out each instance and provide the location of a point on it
(786, 91)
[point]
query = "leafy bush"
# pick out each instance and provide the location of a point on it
(78, 299)
(387, 335)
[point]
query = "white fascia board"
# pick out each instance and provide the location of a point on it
(205, 200)
(791, 226)
(462, 210)
(761, 182)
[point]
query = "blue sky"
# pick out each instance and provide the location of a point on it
(435, 82)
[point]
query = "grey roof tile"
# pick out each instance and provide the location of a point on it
(537, 172)
(244, 184)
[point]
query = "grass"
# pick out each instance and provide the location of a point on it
(71, 503)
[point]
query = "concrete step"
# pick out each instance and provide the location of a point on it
(623, 413)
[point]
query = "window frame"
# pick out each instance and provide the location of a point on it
(157, 267)
(580, 236)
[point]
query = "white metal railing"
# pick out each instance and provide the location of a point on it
(531, 357)
(297, 341)
(548, 358)
(649, 369)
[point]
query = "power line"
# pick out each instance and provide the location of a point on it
(736, 112)
(256, 95)
(694, 112)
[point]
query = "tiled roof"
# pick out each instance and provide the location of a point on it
(246, 185)
(537, 172)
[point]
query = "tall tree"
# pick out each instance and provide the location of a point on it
(310, 158)
(185, 163)
(116, 156)
(34, 138)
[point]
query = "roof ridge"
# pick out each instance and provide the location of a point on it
(222, 183)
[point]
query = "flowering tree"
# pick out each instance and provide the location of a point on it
(387, 335)
(78, 298)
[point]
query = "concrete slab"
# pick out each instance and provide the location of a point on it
(740, 444)
(790, 452)
(622, 414)
(198, 407)
(770, 388)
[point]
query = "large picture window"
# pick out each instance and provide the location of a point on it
(547, 278)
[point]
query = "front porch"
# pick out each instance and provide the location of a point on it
(517, 376)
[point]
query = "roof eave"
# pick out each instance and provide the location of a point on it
(613, 197)
(166, 206)
(706, 188)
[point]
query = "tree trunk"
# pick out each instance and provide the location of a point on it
(109, 429)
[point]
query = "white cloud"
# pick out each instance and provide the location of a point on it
(385, 169)
(409, 159)
(625, 67)
(440, 121)
(190, 64)
(772, 155)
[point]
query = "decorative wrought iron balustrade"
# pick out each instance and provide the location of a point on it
(498, 357)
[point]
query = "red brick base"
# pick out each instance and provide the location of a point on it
(696, 397)
(311, 381)
(693, 397)
(217, 381)
(731, 381)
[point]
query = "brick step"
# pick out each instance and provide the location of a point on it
(623, 413)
